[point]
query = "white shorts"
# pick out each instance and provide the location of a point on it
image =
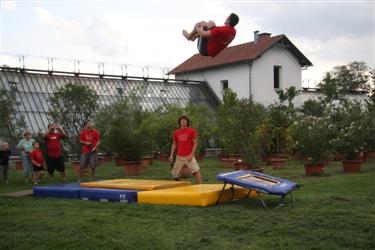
(180, 162)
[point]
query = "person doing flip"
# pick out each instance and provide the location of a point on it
(213, 39)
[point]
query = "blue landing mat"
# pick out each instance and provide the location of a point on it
(258, 181)
(67, 191)
(106, 194)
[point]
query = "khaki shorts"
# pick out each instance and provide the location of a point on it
(180, 162)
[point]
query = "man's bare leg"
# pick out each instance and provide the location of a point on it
(198, 178)
(194, 34)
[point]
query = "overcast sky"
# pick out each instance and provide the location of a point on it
(139, 32)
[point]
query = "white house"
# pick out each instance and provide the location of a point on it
(251, 69)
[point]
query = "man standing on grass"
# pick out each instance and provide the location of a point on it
(185, 140)
(90, 139)
(55, 160)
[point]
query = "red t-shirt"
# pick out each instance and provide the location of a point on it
(184, 140)
(92, 136)
(37, 156)
(54, 144)
(221, 37)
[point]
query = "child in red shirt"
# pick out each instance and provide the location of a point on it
(37, 161)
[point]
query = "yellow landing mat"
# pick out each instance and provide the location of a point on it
(195, 195)
(135, 184)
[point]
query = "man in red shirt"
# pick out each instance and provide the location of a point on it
(185, 140)
(90, 139)
(37, 161)
(55, 160)
(213, 39)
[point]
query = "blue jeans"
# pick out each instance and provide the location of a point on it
(27, 168)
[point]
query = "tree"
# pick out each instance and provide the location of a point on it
(71, 106)
(12, 122)
(345, 79)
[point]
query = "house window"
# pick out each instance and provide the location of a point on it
(276, 77)
(224, 84)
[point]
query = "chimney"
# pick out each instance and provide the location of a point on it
(263, 35)
(256, 36)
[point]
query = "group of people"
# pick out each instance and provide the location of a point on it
(33, 158)
(185, 142)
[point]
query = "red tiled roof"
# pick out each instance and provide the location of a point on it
(242, 52)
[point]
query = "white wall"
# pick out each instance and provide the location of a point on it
(261, 77)
(237, 76)
(262, 74)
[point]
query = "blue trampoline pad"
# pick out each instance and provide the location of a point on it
(69, 191)
(106, 194)
(258, 181)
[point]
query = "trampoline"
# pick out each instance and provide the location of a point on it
(262, 183)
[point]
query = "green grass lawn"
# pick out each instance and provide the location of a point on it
(334, 211)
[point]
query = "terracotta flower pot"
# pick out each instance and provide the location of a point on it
(132, 168)
(228, 163)
(338, 157)
(258, 169)
(146, 162)
(240, 165)
(164, 157)
(19, 166)
(235, 157)
(370, 154)
(313, 169)
(107, 158)
(278, 163)
(118, 161)
(351, 166)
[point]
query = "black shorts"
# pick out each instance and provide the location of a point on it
(202, 44)
(55, 164)
(37, 168)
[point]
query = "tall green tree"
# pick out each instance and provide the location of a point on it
(11, 122)
(345, 79)
(70, 107)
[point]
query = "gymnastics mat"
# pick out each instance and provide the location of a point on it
(70, 191)
(106, 194)
(135, 184)
(259, 182)
(194, 195)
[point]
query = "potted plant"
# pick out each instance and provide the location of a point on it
(229, 120)
(123, 135)
(311, 139)
(350, 141)
(250, 114)
(273, 133)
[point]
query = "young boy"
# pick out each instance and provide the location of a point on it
(37, 161)
(4, 162)
(213, 39)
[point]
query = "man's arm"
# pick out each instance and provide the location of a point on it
(203, 33)
(173, 149)
(96, 146)
(195, 144)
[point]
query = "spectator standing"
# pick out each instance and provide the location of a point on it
(25, 146)
(55, 159)
(4, 162)
(90, 139)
